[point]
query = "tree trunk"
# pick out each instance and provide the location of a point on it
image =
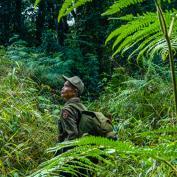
(5, 21)
(40, 20)
(17, 18)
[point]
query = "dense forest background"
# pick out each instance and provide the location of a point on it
(36, 38)
(119, 50)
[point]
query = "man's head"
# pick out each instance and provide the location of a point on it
(73, 87)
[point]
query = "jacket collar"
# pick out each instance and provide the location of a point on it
(73, 100)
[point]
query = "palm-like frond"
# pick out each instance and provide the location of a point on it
(135, 32)
(141, 35)
(119, 5)
(97, 147)
(69, 5)
(138, 36)
(162, 48)
(36, 3)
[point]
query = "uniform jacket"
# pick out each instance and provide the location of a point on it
(69, 119)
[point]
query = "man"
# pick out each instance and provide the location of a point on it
(69, 119)
(70, 116)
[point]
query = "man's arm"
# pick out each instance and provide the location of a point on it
(69, 121)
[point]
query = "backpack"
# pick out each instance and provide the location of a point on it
(94, 123)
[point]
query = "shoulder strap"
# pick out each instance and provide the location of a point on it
(80, 108)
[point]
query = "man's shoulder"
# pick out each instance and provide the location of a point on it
(68, 111)
(75, 104)
(68, 108)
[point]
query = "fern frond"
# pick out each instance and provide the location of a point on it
(69, 5)
(132, 27)
(100, 148)
(136, 28)
(162, 48)
(36, 3)
(128, 17)
(143, 47)
(113, 34)
(142, 32)
(136, 83)
(139, 33)
(71, 160)
(137, 37)
(119, 5)
(125, 94)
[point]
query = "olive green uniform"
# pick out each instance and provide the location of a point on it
(69, 120)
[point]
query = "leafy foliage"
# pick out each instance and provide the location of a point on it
(142, 113)
(48, 67)
(141, 34)
(140, 105)
(106, 152)
(119, 5)
(69, 6)
(67, 49)
(42, 67)
(139, 99)
(22, 126)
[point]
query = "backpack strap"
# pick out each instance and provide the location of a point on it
(80, 109)
(77, 107)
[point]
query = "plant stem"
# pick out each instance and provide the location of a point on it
(168, 163)
(171, 58)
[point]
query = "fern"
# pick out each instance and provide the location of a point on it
(131, 27)
(132, 38)
(119, 5)
(98, 147)
(144, 46)
(69, 5)
(139, 34)
(137, 37)
(36, 3)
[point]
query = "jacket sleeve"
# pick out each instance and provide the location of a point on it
(68, 124)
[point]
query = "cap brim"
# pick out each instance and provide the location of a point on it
(68, 79)
(65, 78)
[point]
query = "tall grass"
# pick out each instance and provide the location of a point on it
(25, 132)
(142, 113)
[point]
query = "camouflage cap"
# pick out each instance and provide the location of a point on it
(75, 81)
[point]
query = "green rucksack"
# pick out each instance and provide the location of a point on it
(95, 123)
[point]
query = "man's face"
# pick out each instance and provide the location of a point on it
(68, 91)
